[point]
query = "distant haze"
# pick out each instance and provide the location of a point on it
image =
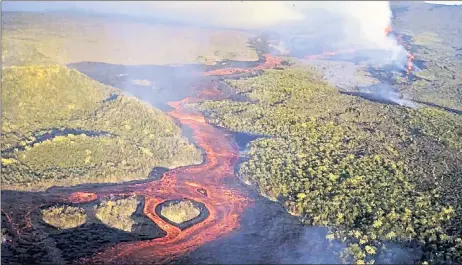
(449, 3)
(335, 25)
(360, 24)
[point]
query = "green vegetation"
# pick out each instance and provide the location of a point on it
(366, 170)
(64, 217)
(439, 125)
(37, 99)
(180, 212)
(117, 213)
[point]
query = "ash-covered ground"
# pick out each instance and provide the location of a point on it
(345, 75)
(355, 79)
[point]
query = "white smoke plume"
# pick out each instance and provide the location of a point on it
(353, 24)
(356, 24)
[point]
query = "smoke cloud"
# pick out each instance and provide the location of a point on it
(333, 25)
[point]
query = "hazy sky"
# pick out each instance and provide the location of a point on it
(444, 2)
(366, 19)
(235, 14)
(360, 23)
(53, 5)
(222, 13)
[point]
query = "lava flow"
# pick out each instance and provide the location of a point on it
(388, 30)
(410, 56)
(270, 61)
(409, 63)
(82, 197)
(204, 183)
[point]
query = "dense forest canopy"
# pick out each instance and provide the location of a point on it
(117, 213)
(366, 170)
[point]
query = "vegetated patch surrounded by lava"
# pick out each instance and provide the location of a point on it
(94, 236)
(204, 212)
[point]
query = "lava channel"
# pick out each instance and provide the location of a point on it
(204, 183)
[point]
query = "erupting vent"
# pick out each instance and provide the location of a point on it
(309, 47)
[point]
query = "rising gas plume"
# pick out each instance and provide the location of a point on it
(331, 25)
(335, 25)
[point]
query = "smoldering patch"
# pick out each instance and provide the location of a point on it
(382, 93)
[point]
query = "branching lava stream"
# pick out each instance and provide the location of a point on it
(224, 205)
(205, 183)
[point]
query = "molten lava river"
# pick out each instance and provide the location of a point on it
(224, 204)
(204, 183)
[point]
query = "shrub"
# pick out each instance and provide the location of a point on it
(64, 217)
(117, 213)
(180, 212)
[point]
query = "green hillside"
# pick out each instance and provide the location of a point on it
(60, 127)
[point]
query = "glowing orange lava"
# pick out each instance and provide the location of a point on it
(388, 30)
(410, 55)
(409, 63)
(205, 183)
(81, 197)
(270, 61)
